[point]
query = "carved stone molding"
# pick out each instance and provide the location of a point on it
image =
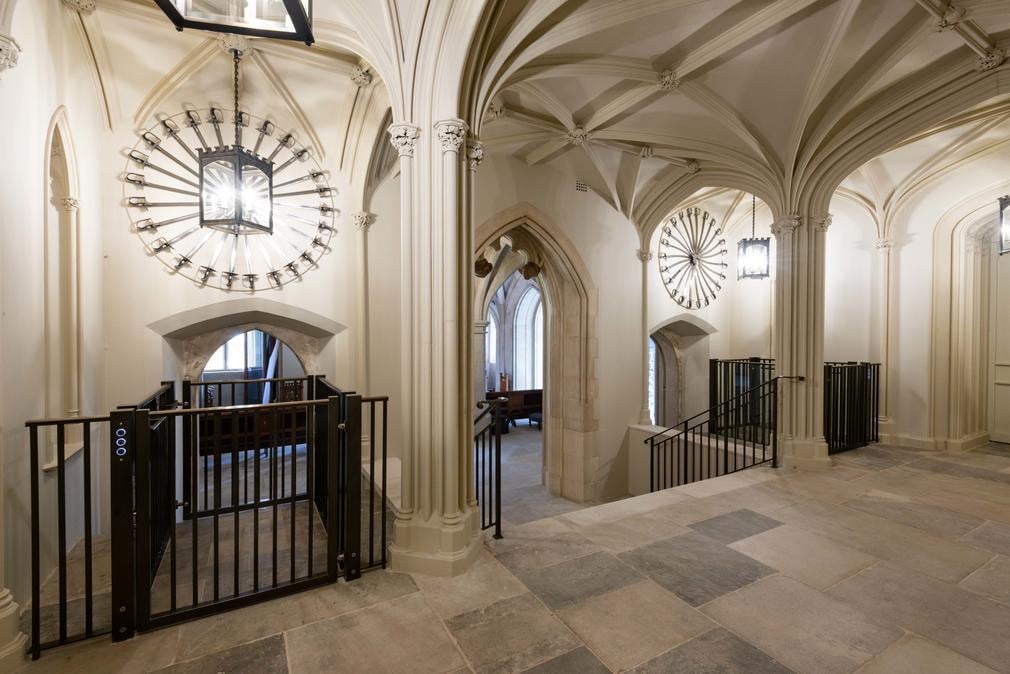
(646, 152)
(363, 220)
(451, 134)
(474, 153)
(495, 110)
(82, 6)
(692, 166)
(577, 136)
(360, 76)
(231, 42)
(952, 16)
(821, 223)
(643, 255)
(667, 80)
(993, 58)
(883, 244)
(69, 204)
(785, 225)
(404, 138)
(9, 50)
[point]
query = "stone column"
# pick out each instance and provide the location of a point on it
(437, 531)
(362, 221)
(799, 337)
(883, 246)
(404, 139)
(69, 208)
(645, 256)
(474, 156)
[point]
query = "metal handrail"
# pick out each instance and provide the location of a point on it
(725, 402)
(238, 408)
(53, 421)
(489, 404)
(248, 381)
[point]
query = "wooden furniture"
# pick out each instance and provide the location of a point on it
(521, 404)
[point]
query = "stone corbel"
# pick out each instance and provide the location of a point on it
(821, 223)
(68, 204)
(643, 255)
(474, 153)
(9, 51)
(363, 220)
(404, 138)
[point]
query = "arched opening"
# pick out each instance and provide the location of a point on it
(252, 367)
(62, 293)
(554, 312)
(665, 391)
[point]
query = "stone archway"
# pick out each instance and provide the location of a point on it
(519, 236)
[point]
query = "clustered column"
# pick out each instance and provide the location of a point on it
(645, 256)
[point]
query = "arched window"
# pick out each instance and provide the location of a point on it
(528, 338)
(653, 376)
(491, 340)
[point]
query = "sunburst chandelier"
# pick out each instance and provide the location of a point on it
(255, 217)
(753, 255)
(690, 258)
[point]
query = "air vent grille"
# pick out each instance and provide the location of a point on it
(580, 186)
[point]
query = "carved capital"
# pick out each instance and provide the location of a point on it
(474, 153)
(883, 244)
(363, 220)
(451, 134)
(360, 76)
(646, 152)
(232, 43)
(821, 223)
(668, 80)
(577, 136)
(82, 6)
(692, 166)
(69, 204)
(785, 225)
(994, 58)
(952, 16)
(404, 138)
(9, 50)
(643, 255)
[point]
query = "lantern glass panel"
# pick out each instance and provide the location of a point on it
(1004, 225)
(753, 258)
(256, 196)
(254, 14)
(218, 194)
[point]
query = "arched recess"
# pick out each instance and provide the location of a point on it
(688, 337)
(509, 240)
(61, 259)
(959, 354)
(194, 335)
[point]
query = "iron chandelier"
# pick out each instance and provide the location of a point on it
(753, 254)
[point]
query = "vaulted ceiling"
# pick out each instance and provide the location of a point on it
(636, 96)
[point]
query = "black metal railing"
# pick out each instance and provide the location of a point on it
(691, 451)
(729, 379)
(851, 405)
(273, 499)
(487, 462)
(68, 601)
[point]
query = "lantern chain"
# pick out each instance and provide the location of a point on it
(237, 56)
(753, 210)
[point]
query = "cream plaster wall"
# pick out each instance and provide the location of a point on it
(53, 67)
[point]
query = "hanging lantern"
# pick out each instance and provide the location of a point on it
(236, 185)
(753, 255)
(1004, 224)
(282, 19)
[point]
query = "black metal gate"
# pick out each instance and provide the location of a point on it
(271, 506)
(487, 462)
(851, 405)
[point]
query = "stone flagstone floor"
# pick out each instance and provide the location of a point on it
(893, 561)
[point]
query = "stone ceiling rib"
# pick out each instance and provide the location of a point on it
(277, 83)
(186, 68)
(755, 24)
